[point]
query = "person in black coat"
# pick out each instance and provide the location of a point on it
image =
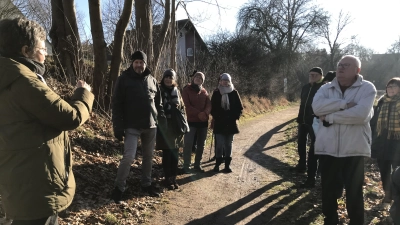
(385, 126)
(226, 109)
(170, 139)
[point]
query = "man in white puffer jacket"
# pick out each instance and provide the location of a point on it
(344, 138)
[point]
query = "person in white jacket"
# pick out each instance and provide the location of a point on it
(344, 107)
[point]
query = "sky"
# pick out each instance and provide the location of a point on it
(374, 23)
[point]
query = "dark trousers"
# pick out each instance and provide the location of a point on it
(51, 220)
(385, 169)
(352, 173)
(305, 130)
(170, 162)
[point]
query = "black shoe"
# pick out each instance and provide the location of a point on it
(176, 186)
(168, 183)
(150, 190)
(308, 184)
(227, 168)
(116, 195)
(186, 170)
(198, 169)
(299, 169)
(387, 198)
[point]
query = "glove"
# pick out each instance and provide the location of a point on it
(119, 134)
(202, 116)
(326, 124)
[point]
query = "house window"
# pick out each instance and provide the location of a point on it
(189, 52)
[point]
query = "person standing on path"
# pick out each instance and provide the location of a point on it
(136, 110)
(386, 134)
(226, 109)
(170, 139)
(36, 177)
(305, 120)
(344, 107)
(198, 107)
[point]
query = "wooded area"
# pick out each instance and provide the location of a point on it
(274, 40)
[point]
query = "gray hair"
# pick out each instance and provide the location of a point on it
(18, 32)
(358, 61)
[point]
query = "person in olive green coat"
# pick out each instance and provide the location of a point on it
(36, 179)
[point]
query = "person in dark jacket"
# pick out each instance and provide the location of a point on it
(170, 139)
(226, 109)
(198, 107)
(36, 178)
(136, 110)
(395, 207)
(386, 134)
(305, 121)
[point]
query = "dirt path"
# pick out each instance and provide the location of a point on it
(258, 191)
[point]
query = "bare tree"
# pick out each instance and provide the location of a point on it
(144, 28)
(395, 47)
(332, 34)
(11, 8)
(65, 39)
(99, 50)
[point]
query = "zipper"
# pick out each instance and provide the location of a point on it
(305, 106)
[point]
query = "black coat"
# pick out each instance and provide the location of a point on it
(225, 121)
(306, 113)
(382, 147)
(167, 137)
(136, 101)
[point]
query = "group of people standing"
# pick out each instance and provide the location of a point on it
(163, 116)
(338, 118)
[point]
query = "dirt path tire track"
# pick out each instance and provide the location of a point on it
(243, 196)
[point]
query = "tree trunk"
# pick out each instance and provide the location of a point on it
(163, 33)
(144, 28)
(99, 51)
(117, 50)
(173, 38)
(65, 39)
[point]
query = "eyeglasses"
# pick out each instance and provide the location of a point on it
(392, 86)
(42, 49)
(343, 65)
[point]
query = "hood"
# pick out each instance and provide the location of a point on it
(10, 71)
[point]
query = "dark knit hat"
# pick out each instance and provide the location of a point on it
(203, 77)
(139, 55)
(317, 70)
(170, 73)
(329, 76)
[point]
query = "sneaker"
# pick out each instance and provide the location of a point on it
(150, 190)
(308, 184)
(198, 169)
(299, 169)
(116, 195)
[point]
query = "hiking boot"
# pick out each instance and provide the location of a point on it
(176, 186)
(150, 190)
(217, 164)
(308, 184)
(227, 168)
(168, 183)
(298, 168)
(198, 169)
(116, 195)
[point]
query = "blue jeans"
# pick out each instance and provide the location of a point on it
(189, 139)
(223, 145)
(148, 138)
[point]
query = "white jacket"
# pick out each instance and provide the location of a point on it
(349, 133)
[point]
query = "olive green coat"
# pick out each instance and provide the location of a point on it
(36, 177)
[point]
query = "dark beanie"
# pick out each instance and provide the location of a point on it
(329, 76)
(317, 70)
(170, 73)
(139, 55)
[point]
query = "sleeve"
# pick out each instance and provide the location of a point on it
(239, 107)
(118, 100)
(158, 101)
(188, 106)
(207, 109)
(323, 105)
(49, 108)
(360, 113)
(214, 105)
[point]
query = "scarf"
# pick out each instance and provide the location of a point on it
(34, 66)
(389, 117)
(196, 87)
(170, 98)
(224, 92)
